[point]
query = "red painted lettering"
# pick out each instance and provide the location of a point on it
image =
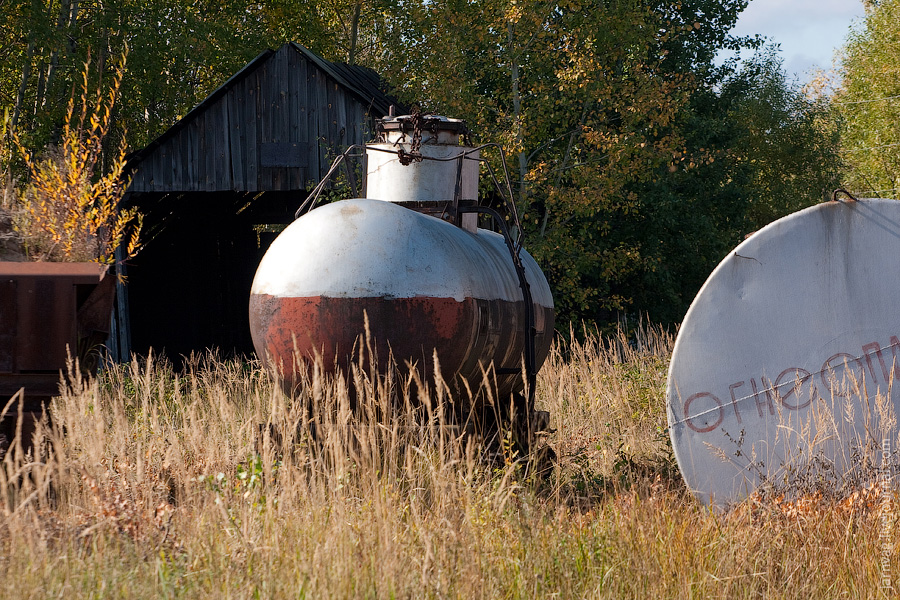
(895, 361)
(829, 372)
(766, 401)
(799, 376)
(868, 351)
(734, 406)
(690, 420)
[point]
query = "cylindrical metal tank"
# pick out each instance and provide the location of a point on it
(789, 356)
(424, 285)
(429, 180)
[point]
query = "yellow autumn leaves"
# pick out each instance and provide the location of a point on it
(69, 211)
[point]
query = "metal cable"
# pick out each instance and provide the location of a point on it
(774, 388)
(310, 201)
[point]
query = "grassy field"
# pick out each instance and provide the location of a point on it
(156, 484)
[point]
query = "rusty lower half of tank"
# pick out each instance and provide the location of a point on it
(468, 336)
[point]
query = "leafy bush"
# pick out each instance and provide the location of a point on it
(69, 210)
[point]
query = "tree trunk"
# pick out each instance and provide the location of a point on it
(517, 115)
(23, 85)
(41, 88)
(73, 21)
(354, 32)
(62, 21)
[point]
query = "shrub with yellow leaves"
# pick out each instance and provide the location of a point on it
(69, 211)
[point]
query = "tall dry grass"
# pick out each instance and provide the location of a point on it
(213, 483)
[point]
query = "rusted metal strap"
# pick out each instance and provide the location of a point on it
(834, 196)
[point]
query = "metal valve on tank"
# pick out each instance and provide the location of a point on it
(409, 260)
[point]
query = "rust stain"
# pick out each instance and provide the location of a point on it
(45, 310)
(350, 210)
(44, 299)
(410, 328)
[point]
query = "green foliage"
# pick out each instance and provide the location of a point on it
(587, 96)
(179, 53)
(638, 163)
(788, 140)
(187, 50)
(869, 102)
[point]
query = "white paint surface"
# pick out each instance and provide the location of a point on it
(426, 181)
(369, 248)
(820, 284)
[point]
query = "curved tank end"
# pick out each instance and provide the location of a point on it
(795, 331)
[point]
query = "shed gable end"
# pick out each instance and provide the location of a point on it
(274, 128)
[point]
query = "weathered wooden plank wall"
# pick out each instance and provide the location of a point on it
(275, 129)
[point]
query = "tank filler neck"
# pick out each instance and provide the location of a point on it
(429, 129)
(418, 161)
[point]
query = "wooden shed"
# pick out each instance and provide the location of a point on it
(215, 187)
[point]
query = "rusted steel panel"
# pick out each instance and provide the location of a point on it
(39, 311)
(46, 311)
(93, 314)
(74, 272)
(330, 327)
(465, 335)
(47, 323)
(8, 325)
(40, 385)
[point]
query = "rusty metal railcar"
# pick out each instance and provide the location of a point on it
(48, 312)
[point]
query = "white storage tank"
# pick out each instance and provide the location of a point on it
(424, 284)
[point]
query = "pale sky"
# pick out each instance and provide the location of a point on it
(809, 31)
